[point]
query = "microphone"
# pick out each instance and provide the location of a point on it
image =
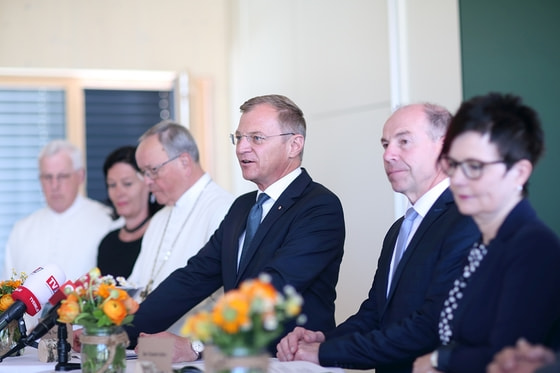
(42, 283)
(50, 319)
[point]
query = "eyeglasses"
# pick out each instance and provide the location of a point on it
(254, 139)
(472, 168)
(152, 172)
(48, 178)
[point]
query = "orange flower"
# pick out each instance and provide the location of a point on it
(115, 310)
(104, 290)
(232, 311)
(5, 302)
(259, 289)
(69, 309)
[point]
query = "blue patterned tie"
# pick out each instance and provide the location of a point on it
(404, 232)
(253, 221)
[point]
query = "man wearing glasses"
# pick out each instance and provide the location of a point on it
(68, 230)
(299, 240)
(194, 204)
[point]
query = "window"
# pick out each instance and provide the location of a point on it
(96, 110)
(29, 119)
(115, 118)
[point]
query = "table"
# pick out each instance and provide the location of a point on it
(29, 363)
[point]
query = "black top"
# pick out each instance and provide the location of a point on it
(115, 257)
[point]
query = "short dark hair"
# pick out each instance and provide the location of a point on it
(512, 126)
(126, 154)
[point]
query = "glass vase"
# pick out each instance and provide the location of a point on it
(239, 361)
(9, 337)
(103, 350)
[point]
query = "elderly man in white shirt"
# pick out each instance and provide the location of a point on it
(68, 230)
(194, 205)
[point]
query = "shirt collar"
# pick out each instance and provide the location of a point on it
(425, 203)
(192, 193)
(275, 190)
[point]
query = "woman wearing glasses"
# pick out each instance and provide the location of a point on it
(510, 283)
(129, 197)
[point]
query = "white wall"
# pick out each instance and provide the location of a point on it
(331, 57)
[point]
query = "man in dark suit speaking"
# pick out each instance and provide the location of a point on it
(299, 241)
(420, 258)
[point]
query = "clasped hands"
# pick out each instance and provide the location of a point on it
(300, 344)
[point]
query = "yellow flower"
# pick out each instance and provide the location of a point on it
(115, 311)
(198, 326)
(5, 302)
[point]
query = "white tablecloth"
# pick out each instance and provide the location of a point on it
(29, 363)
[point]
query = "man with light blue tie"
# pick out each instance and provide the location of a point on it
(422, 254)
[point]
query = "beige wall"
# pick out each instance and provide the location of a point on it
(171, 35)
(334, 58)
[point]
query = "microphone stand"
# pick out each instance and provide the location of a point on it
(63, 348)
(22, 341)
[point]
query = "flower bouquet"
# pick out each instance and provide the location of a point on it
(101, 307)
(244, 321)
(9, 336)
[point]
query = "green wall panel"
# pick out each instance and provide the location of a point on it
(513, 46)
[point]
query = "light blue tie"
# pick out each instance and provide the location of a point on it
(253, 221)
(404, 232)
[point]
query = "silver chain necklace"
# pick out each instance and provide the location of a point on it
(144, 293)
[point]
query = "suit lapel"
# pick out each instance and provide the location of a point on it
(439, 207)
(283, 204)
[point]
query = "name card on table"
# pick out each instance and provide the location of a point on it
(157, 350)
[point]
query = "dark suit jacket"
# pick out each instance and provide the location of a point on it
(300, 242)
(515, 292)
(388, 333)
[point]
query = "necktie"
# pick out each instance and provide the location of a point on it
(404, 232)
(253, 221)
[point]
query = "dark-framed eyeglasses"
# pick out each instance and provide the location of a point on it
(152, 172)
(255, 139)
(472, 168)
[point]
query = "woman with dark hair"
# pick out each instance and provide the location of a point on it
(509, 286)
(130, 199)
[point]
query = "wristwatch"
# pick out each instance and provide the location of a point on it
(197, 347)
(434, 359)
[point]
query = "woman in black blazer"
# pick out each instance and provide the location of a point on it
(509, 285)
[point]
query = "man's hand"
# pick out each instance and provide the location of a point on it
(182, 349)
(289, 345)
(523, 358)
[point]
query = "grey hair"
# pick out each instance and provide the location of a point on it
(438, 117)
(175, 138)
(59, 145)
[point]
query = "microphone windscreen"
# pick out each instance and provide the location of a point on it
(41, 284)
